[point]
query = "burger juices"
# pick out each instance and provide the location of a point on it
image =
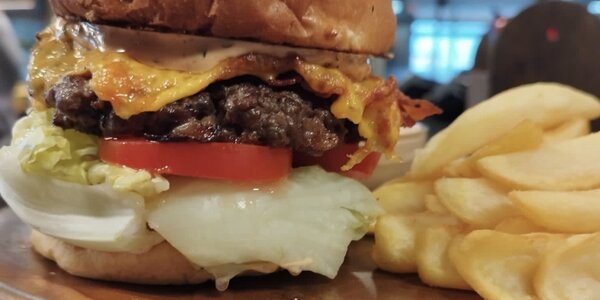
(184, 141)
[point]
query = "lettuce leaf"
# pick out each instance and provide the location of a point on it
(96, 217)
(72, 156)
(304, 223)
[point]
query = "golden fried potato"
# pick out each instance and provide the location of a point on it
(394, 244)
(463, 167)
(433, 204)
(569, 212)
(433, 264)
(395, 180)
(568, 165)
(403, 196)
(518, 225)
(478, 202)
(521, 163)
(499, 265)
(571, 271)
(395, 237)
(546, 104)
(526, 135)
(568, 130)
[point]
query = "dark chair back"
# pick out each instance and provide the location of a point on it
(550, 41)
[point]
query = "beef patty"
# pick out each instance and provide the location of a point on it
(244, 110)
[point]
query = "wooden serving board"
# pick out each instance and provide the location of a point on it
(26, 275)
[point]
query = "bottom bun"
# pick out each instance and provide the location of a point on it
(163, 264)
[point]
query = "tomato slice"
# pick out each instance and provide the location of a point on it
(334, 159)
(225, 161)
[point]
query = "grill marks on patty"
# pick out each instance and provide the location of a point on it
(244, 110)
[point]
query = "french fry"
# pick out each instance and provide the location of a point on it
(395, 239)
(569, 212)
(433, 204)
(571, 271)
(492, 202)
(526, 135)
(547, 105)
(568, 165)
(478, 202)
(434, 266)
(499, 265)
(403, 196)
(461, 168)
(568, 130)
(518, 225)
(394, 244)
(395, 180)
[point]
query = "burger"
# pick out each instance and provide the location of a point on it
(175, 142)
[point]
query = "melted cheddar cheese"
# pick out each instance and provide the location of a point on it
(133, 87)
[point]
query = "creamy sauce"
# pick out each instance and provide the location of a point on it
(194, 53)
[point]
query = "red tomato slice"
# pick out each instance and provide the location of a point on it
(334, 159)
(225, 161)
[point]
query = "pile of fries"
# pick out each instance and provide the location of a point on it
(505, 201)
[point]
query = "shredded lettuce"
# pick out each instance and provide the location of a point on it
(50, 150)
(72, 156)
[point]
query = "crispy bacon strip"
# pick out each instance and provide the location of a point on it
(414, 110)
(387, 109)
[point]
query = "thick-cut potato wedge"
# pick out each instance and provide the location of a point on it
(571, 271)
(499, 265)
(546, 104)
(564, 166)
(568, 130)
(461, 168)
(433, 204)
(395, 236)
(569, 212)
(478, 202)
(403, 197)
(394, 244)
(519, 225)
(395, 180)
(526, 135)
(433, 264)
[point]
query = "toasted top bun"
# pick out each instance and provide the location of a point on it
(163, 264)
(359, 26)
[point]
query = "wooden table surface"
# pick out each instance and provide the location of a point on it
(26, 275)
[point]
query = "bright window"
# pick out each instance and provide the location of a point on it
(439, 50)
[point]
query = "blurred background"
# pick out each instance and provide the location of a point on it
(455, 53)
